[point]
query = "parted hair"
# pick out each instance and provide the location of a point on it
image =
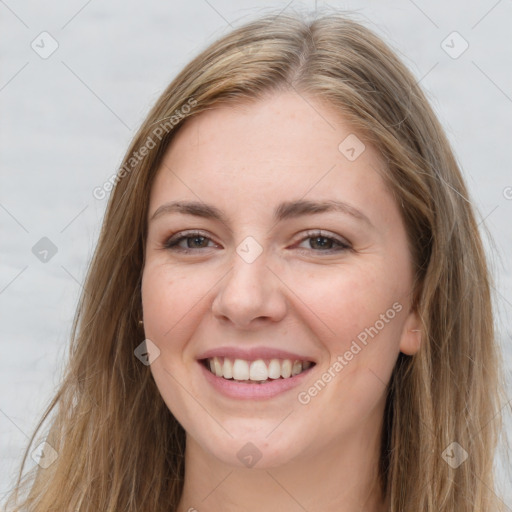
(121, 449)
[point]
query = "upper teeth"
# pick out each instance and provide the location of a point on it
(259, 370)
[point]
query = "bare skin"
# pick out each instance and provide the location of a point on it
(309, 293)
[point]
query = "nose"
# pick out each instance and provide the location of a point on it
(249, 294)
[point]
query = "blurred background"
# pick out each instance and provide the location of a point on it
(78, 77)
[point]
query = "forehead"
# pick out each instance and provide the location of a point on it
(284, 127)
(285, 146)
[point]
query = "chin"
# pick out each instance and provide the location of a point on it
(251, 448)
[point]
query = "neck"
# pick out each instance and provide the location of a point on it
(341, 478)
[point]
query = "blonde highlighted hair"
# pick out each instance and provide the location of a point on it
(120, 448)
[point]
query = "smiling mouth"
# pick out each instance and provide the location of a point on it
(258, 371)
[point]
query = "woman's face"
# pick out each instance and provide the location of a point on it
(277, 283)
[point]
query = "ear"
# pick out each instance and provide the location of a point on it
(410, 340)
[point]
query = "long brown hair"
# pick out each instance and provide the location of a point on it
(120, 448)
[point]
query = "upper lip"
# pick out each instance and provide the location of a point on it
(252, 354)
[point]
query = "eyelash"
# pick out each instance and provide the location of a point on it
(172, 242)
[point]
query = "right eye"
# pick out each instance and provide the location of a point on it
(193, 240)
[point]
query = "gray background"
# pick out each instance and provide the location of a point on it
(66, 121)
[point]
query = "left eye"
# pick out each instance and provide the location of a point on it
(325, 243)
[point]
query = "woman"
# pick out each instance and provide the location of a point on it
(291, 236)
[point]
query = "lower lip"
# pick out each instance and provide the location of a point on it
(244, 390)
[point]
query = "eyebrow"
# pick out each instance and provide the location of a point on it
(286, 210)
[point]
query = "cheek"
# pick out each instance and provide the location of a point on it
(168, 298)
(364, 311)
(351, 299)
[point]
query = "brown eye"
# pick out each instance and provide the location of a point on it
(187, 242)
(193, 240)
(320, 242)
